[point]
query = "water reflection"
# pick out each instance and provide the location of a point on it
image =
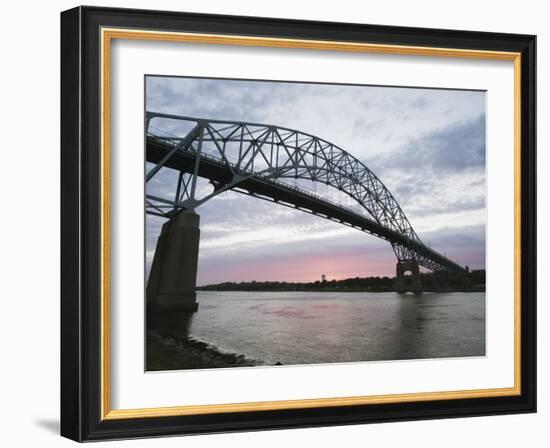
(310, 327)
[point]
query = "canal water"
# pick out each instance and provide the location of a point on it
(325, 327)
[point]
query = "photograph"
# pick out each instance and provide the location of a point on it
(275, 222)
(293, 223)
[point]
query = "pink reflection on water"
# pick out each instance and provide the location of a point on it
(325, 306)
(290, 312)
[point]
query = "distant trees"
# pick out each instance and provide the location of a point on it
(477, 277)
(374, 283)
(441, 280)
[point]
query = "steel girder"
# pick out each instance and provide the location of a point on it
(267, 152)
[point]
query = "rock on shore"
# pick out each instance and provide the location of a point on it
(166, 352)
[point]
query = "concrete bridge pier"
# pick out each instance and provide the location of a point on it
(173, 276)
(401, 284)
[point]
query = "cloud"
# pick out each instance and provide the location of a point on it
(455, 148)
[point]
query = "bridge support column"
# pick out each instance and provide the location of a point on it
(401, 284)
(173, 276)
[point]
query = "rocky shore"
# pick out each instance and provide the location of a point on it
(167, 352)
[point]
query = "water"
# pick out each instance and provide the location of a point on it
(323, 327)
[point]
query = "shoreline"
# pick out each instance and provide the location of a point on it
(167, 352)
(464, 290)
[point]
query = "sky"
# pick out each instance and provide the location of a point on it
(426, 145)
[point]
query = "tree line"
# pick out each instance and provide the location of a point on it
(430, 280)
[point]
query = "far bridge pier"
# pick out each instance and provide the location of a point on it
(401, 281)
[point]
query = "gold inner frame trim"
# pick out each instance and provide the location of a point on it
(107, 35)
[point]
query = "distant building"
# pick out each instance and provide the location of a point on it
(323, 278)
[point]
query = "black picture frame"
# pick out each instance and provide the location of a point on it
(81, 224)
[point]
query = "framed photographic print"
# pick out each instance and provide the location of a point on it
(272, 223)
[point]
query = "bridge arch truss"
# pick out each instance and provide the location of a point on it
(275, 154)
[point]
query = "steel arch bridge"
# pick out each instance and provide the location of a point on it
(259, 159)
